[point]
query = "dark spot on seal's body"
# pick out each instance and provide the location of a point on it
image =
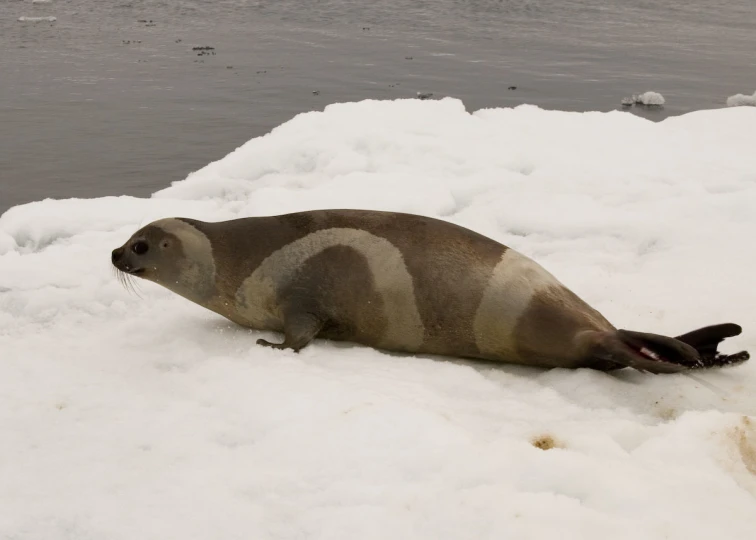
(565, 315)
(346, 303)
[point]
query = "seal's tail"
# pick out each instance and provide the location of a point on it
(662, 354)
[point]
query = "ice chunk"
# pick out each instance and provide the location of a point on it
(740, 100)
(650, 99)
(37, 19)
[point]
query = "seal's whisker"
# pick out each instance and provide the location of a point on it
(128, 282)
(118, 276)
(135, 287)
(124, 281)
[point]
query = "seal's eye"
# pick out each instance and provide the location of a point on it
(140, 247)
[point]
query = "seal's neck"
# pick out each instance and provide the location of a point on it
(194, 283)
(193, 273)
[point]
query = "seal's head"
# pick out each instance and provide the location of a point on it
(147, 254)
(171, 253)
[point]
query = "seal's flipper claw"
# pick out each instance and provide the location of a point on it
(725, 360)
(266, 343)
(299, 330)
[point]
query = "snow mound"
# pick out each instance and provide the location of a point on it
(739, 100)
(127, 416)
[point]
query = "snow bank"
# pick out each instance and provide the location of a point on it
(739, 100)
(148, 417)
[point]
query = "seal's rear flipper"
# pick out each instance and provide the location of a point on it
(662, 354)
(705, 341)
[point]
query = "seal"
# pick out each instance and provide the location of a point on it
(398, 282)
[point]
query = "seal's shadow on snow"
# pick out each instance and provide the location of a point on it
(664, 396)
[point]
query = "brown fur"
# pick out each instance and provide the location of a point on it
(391, 280)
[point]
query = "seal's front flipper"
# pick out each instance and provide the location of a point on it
(663, 354)
(299, 330)
(705, 341)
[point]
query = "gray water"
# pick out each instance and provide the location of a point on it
(98, 103)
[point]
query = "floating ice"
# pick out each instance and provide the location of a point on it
(739, 100)
(653, 99)
(37, 19)
(115, 407)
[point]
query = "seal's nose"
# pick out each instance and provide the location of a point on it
(117, 254)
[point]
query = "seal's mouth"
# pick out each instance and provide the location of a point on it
(126, 269)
